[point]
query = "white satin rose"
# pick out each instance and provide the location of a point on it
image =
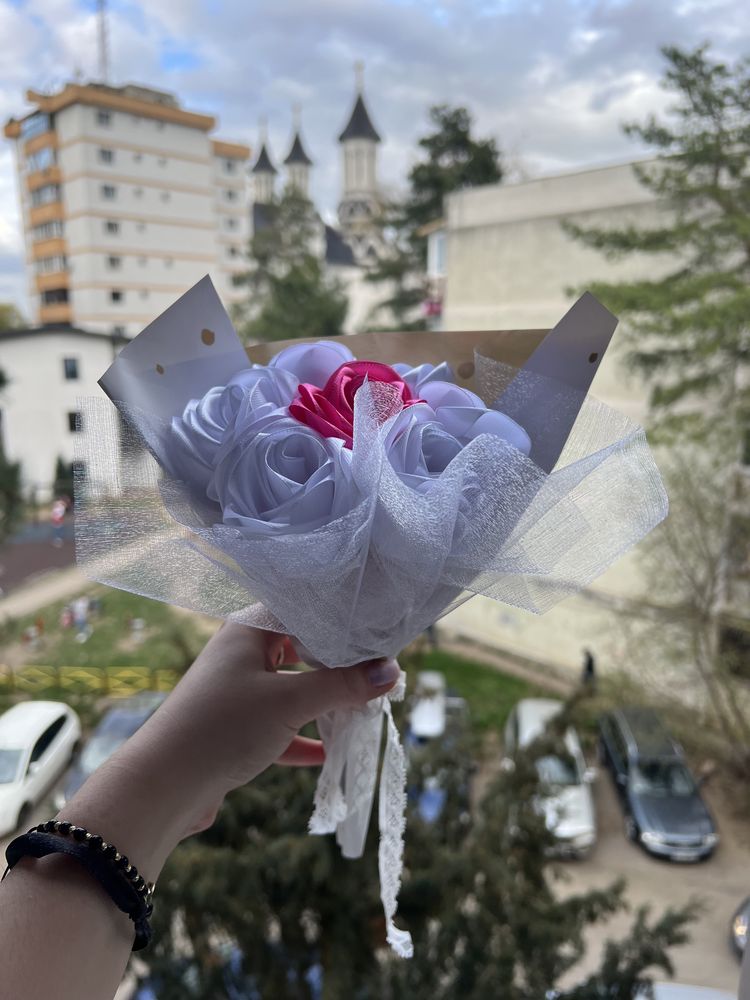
(274, 475)
(425, 438)
(312, 363)
(197, 434)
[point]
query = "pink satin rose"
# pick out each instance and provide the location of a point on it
(330, 410)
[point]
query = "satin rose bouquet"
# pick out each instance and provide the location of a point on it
(350, 501)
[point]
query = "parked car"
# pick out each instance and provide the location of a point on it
(567, 803)
(37, 741)
(118, 725)
(428, 710)
(662, 805)
(739, 926)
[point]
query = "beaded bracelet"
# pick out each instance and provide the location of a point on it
(127, 888)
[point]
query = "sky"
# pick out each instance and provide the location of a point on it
(551, 80)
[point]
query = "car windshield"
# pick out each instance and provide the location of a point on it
(554, 770)
(662, 778)
(10, 763)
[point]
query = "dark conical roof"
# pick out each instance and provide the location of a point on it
(297, 153)
(263, 163)
(359, 125)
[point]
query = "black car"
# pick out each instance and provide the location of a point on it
(118, 725)
(664, 811)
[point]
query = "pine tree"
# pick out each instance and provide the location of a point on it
(478, 895)
(687, 329)
(453, 159)
(11, 494)
(289, 294)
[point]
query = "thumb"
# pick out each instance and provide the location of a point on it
(314, 692)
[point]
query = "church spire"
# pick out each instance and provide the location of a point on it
(359, 125)
(263, 170)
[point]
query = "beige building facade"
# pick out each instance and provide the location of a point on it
(508, 263)
(126, 201)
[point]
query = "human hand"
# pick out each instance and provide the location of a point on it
(232, 715)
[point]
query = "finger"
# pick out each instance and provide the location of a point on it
(310, 694)
(303, 752)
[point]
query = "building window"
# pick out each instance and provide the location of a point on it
(48, 265)
(106, 156)
(34, 125)
(141, 261)
(232, 252)
(47, 230)
(137, 157)
(118, 330)
(114, 262)
(54, 296)
(230, 223)
(162, 161)
(103, 117)
(140, 226)
(116, 295)
(108, 192)
(45, 194)
(144, 293)
(70, 369)
(75, 421)
(165, 196)
(138, 192)
(78, 470)
(112, 228)
(168, 262)
(41, 159)
(230, 166)
(230, 195)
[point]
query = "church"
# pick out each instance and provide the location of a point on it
(349, 249)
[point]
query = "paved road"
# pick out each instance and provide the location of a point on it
(720, 882)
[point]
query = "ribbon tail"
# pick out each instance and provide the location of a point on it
(359, 782)
(392, 820)
(329, 804)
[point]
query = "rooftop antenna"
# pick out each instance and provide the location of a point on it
(103, 39)
(359, 75)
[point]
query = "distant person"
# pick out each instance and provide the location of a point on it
(57, 517)
(588, 674)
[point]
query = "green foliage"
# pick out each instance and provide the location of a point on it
(171, 639)
(289, 294)
(687, 325)
(11, 496)
(63, 481)
(489, 693)
(480, 895)
(453, 159)
(10, 318)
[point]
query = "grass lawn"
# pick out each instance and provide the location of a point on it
(170, 639)
(489, 693)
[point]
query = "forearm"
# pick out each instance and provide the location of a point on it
(52, 907)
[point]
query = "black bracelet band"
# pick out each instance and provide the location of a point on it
(120, 879)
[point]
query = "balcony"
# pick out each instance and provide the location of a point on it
(45, 213)
(57, 312)
(39, 178)
(55, 279)
(53, 246)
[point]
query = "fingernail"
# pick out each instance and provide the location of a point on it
(383, 672)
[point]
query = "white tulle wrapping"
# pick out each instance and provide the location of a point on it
(371, 580)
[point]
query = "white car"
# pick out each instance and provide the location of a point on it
(568, 804)
(37, 742)
(428, 711)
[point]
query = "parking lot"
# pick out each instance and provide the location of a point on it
(720, 883)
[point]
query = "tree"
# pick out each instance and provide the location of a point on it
(257, 905)
(10, 317)
(687, 325)
(289, 294)
(11, 495)
(453, 159)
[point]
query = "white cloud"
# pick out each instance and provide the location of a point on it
(552, 80)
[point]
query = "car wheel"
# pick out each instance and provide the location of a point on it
(631, 829)
(23, 817)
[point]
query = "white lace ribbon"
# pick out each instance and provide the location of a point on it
(346, 789)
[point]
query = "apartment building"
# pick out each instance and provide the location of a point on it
(126, 201)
